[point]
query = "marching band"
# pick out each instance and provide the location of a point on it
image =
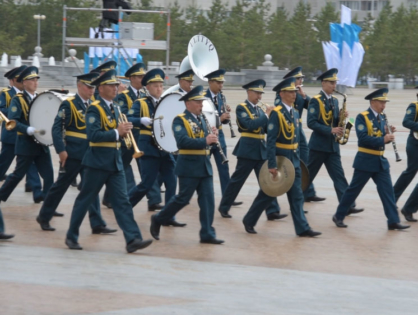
(99, 131)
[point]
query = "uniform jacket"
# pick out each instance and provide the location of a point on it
(370, 135)
(252, 124)
(98, 118)
(19, 111)
(283, 134)
(125, 100)
(321, 119)
(72, 113)
(5, 100)
(190, 136)
(145, 107)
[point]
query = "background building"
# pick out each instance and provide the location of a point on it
(360, 8)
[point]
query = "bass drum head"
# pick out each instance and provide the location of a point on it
(42, 113)
(162, 131)
(210, 112)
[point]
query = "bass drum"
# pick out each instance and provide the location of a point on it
(210, 112)
(42, 113)
(162, 132)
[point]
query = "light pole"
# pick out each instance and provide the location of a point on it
(39, 18)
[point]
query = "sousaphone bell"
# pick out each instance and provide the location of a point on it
(280, 184)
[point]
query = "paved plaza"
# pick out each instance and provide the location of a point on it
(364, 269)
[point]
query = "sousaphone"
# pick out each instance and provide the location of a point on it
(280, 184)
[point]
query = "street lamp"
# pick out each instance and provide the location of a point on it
(39, 18)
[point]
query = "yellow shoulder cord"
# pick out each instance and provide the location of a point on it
(326, 117)
(103, 118)
(25, 108)
(288, 129)
(78, 117)
(144, 110)
(250, 115)
(416, 110)
(368, 123)
(8, 98)
(189, 128)
(128, 99)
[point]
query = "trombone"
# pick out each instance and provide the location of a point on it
(129, 138)
(10, 124)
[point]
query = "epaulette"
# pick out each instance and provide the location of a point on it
(125, 92)
(317, 96)
(96, 103)
(72, 98)
(278, 108)
(243, 104)
(181, 115)
(365, 113)
(334, 96)
(5, 90)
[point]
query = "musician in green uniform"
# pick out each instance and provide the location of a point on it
(27, 150)
(283, 136)
(8, 137)
(185, 81)
(410, 122)
(104, 67)
(193, 168)
(324, 149)
(125, 100)
(373, 135)
(70, 142)
(103, 165)
(251, 150)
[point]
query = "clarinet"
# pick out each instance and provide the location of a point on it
(224, 158)
(224, 110)
(398, 158)
(62, 169)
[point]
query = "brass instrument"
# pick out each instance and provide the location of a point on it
(225, 109)
(263, 106)
(10, 124)
(342, 122)
(218, 145)
(398, 158)
(129, 138)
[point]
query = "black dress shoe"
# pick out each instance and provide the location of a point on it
(237, 203)
(339, 223)
(275, 216)
(38, 200)
(107, 204)
(212, 241)
(44, 225)
(314, 199)
(72, 245)
(225, 214)
(398, 226)
(28, 189)
(157, 206)
(58, 214)
(102, 230)
(74, 183)
(137, 244)
(354, 210)
(408, 216)
(305, 211)
(155, 227)
(310, 233)
(250, 229)
(174, 223)
(4, 236)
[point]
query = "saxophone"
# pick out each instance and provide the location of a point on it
(342, 122)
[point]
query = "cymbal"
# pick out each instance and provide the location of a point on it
(305, 175)
(281, 184)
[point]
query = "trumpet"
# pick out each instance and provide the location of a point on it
(263, 106)
(10, 124)
(129, 138)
